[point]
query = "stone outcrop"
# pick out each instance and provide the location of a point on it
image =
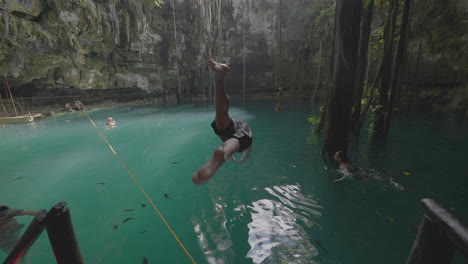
(124, 47)
(54, 45)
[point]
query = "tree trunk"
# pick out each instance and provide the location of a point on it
(362, 62)
(398, 64)
(386, 74)
(347, 27)
(414, 89)
(362, 116)
(326, 89)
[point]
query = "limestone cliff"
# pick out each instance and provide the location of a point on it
(57, 45)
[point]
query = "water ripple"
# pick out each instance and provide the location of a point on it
(294, 198)
(275, 237)
(213, 237)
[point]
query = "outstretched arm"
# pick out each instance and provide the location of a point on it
(340, 179)
(30, 212)
(244, 157)
(346, 174)
(19, 212)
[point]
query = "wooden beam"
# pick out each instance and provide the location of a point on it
(439, 235)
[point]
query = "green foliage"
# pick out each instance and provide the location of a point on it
(313, 138)
(317, 18)
(9, 108)
(159, 3)
(377, 43)
(366, 3)
(314, 120)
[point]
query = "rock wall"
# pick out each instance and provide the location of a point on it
(56, 46)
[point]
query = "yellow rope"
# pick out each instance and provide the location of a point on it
(143, 191)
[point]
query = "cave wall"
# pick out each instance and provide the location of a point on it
(53, 45)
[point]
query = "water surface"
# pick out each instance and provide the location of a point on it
(279, 207)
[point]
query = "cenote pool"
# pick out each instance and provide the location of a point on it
(279, 207)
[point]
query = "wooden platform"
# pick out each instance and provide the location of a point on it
(20, 119)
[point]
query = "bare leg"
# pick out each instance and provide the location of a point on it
(222, 118)
(222, 121)
(220, 155)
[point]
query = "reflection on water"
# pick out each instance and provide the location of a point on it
(274, 234)
(213, 236)
(275, 230)
(290, 196)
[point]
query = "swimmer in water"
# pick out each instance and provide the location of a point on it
(235, 134)
(110, 121)
(347, 168)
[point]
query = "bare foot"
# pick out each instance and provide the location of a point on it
(219, 68)
(209, 169)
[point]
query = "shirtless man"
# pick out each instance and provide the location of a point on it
(235, 134)
(347, 168)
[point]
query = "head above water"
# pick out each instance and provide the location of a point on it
(4, 207)
(340, 156)
(110, 119)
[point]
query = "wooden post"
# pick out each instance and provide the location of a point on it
(27, 239)
(62, 236)
(430, 246)
(440, 233)
(4, 109)
(12, 100)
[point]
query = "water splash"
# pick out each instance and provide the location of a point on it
(275, 237)
(213, 237)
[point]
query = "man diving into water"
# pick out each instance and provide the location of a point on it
(235, 134)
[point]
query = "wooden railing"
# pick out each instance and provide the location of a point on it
(440, 235)
(61, 236)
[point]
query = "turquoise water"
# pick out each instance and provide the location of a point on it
(275, 208)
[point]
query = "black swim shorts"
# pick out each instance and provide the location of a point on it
(237, 129)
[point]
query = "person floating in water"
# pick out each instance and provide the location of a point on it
(111, 121)
(10, 228)
(235, 134)
(347, 168)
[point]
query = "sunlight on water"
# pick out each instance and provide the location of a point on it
(215, 231)
(274, 234)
